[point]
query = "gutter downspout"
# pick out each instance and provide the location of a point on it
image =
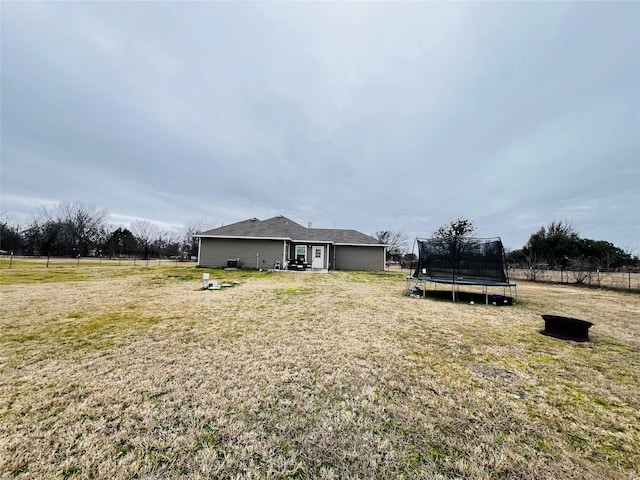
(334, 257)
(326, 257)
(199, 249)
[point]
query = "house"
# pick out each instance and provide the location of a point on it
(279, 241)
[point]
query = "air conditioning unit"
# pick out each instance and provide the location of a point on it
(233, 263)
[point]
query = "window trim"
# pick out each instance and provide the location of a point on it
(305, 252)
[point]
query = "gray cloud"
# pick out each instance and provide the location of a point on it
(356, 115)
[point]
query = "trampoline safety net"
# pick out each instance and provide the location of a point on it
(463, 260)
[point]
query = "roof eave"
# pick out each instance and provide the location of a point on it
(361, 244)
(313, 241)
(243, 237)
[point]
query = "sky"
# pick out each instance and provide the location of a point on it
(360, 115)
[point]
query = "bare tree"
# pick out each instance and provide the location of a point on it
(461, 227)
(452, 243)
(451, 238)
(397, 243)
(581, 269)
(534, 267)
(80, 226)
(194, 226)
(147, 234)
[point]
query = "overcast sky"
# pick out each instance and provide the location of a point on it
(370, 116)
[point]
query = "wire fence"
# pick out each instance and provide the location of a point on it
(14, 261)
(622, 279)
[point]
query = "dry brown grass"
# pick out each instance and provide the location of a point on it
(139, 373)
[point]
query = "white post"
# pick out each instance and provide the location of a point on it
(205, 280)
(284, 254)
(384, 258)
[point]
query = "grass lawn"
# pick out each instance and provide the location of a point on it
(136, 372)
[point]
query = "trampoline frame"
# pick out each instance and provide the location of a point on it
(414, 283)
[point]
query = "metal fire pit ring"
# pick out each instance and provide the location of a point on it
(566, 328)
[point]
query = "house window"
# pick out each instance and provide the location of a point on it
(301, 252)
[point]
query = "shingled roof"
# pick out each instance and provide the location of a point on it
(282, 228)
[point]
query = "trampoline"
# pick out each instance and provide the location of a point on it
(461, 261)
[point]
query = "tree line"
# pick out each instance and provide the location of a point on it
(75, 229)
(557, 246)
(80, 229)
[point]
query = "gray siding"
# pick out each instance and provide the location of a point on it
(214, 252)
(359, 258)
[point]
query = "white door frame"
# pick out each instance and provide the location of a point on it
(315, 261)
